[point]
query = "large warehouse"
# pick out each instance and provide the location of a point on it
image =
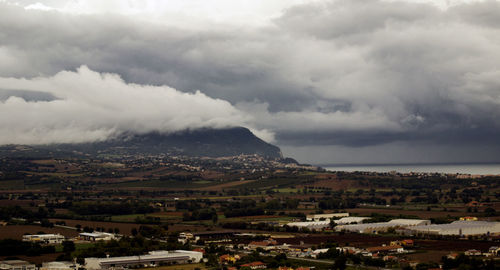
(382, 226)
(153, 258)
(463, 228)
(317, 225)
(350, 220)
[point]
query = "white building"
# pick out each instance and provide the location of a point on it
(153, 258)
(350, 220)
(59, 266)
(316, 252)
(97, 236)
(185, 237)
(317, 225)
(44, 238)
(318, 217)
(463, 228)
(382, 226)
(16, 265)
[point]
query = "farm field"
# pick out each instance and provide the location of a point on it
(125, 228)
(17, 231)
(396, 212)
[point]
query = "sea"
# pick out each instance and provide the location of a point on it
(465, 168)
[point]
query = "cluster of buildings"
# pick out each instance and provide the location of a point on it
(24, 265)
(466, 226)
(323, 224)
(152, 259)
(54, 239)
(44, 238)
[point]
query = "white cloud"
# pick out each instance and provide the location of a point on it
(91, 106)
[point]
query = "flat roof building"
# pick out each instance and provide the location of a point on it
(153, 258)
(318, 217)
(350, 220)
(317, 225)
(461, 228)
(59, 266)
(44, 238)
(97, 236)
(382, 226)
(16, 265)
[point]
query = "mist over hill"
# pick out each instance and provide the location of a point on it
(201, 142)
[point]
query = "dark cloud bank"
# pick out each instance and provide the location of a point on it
(332, 81)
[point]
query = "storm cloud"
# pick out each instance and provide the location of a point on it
(346, 74)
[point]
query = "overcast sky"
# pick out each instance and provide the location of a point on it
(346, 81)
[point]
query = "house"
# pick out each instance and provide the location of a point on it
(389, 258)
(316, 252)
(495, 250)
(452, 256)
(469, 218)
(386, 249)
(16, 265)
(266, 244)
(408, 243)
(473, 252)
(255, 265)
(97, 236)
(185, 237)
(226, 258)
(405, 243)
(473, 204)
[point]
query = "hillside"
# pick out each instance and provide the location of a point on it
(202, 143)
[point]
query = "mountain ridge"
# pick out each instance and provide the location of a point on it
(205, 142)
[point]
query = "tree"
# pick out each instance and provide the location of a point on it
(340, 262)
(68, 246)
(489, 212)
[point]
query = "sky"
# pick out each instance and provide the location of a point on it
(328, 81)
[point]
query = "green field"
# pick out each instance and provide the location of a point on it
(12, 184)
